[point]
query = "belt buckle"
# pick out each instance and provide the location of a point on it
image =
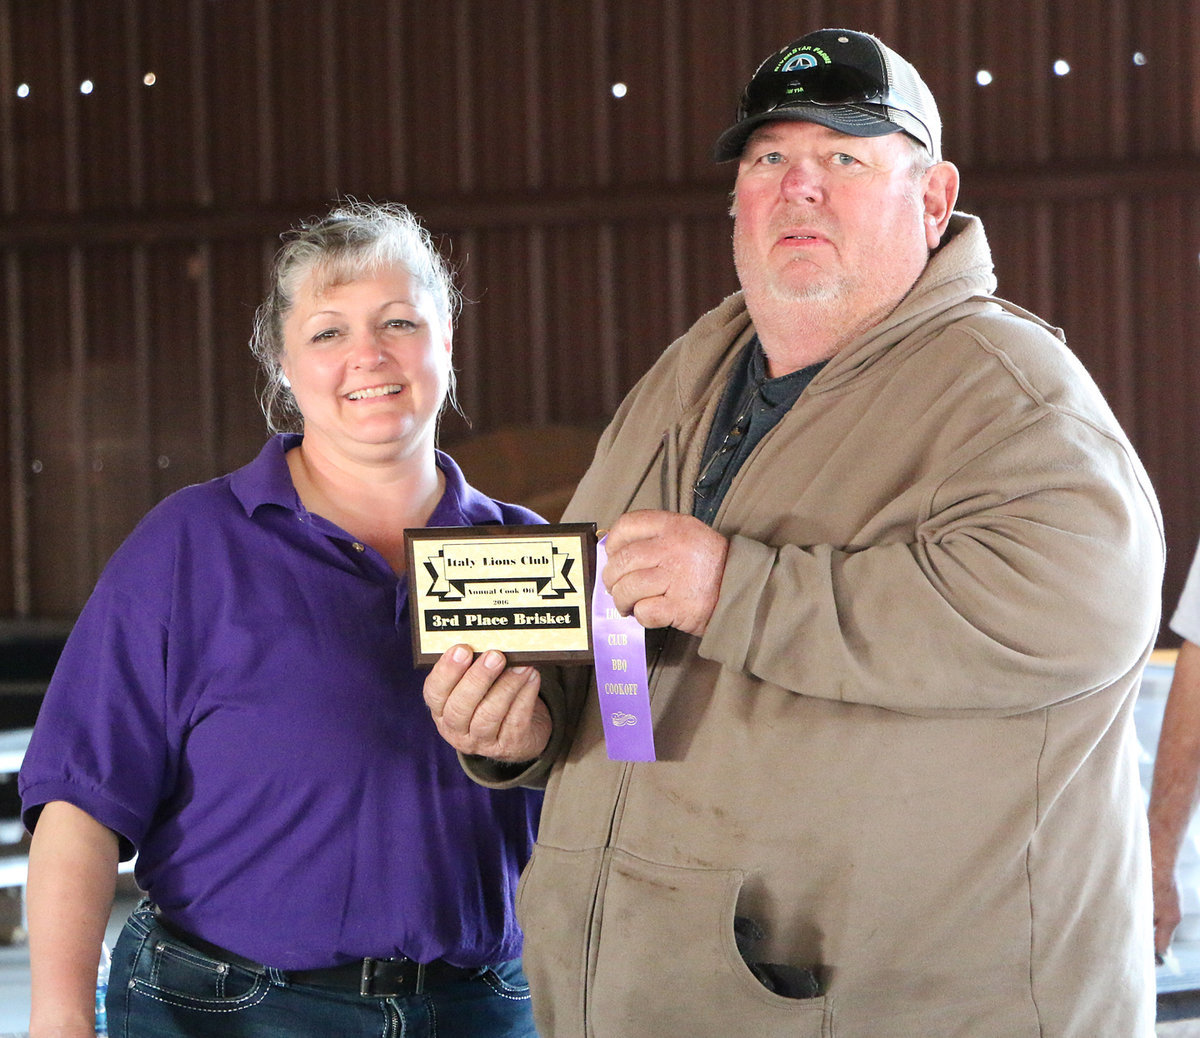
(369, 988)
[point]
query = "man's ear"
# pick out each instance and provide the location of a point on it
(941, 192)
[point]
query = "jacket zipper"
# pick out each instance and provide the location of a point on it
(668, 481)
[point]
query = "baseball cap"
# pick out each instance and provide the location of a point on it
(849, 81)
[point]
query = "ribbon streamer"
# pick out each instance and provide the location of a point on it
(619, 646)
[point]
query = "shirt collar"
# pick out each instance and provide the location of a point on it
(783, 389)
(267, 480)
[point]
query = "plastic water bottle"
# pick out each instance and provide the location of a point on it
(102, 990)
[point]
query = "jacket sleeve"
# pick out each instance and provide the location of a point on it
(1032, 576)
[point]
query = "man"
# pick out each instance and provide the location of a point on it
(901, 568)
(1176, 784)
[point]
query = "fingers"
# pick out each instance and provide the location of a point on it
(1164, 929)
(636, 526)
(1167, 914)
(485, 696)
(665, 569)
(444, 676)
(484, 708)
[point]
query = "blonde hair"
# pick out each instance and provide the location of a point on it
(355, 240)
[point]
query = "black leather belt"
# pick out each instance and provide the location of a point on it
(371, 978)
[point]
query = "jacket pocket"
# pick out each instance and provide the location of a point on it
(667, 961)
(554, 907)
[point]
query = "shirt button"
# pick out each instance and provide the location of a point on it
(359, 547)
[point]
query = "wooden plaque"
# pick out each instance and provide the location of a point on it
(524, 590)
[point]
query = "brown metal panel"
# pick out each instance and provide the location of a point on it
(1190, 76)
(1169, 387)
(538, 349)
(205, 434)
(113, 447)
(777, 24)
(434, 70)
(300, 100)
(874, 16)
(464, 246)
(237, 287)
(8, 101)
(1003, 106)
(597, 79)
(69, 84)
(171, 106)
(103, 60)
(709, 254)
(267, 134)
(1117, 233)
(642, 55)
(942, 46)
(326, 119)
(394, 123)
(15, 585)
(462, 130)
(1086, 274)
(578, 370)
(570, 116)
(611, 389)
(1088, 99)
(494, 67)
(1122, 68)
(1165, 92)
(201, 145)
(643, 328)
(717, 58)
(54, 415)
(139, 358)
(362, 67)
(180, 402)
(240, 104)
(1018, 236)
(496, 375)
(137, 80)
(533, 47)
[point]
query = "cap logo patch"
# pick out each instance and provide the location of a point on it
(806, 58)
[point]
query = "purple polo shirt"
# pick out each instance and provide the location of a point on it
(238, 702)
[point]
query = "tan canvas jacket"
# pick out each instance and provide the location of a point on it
(903, 747)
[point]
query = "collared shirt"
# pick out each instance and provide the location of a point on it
(751, 406)
(238, 702)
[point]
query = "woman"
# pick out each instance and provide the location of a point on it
(238, 704)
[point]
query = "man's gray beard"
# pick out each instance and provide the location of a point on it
(804, 293)
(779, 290)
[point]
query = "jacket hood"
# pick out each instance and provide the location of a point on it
(958, 280)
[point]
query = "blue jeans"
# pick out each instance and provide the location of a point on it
(160, 987)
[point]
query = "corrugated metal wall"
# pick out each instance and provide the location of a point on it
(136, 219)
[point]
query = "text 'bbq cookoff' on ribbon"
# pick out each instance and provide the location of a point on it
(619, 646)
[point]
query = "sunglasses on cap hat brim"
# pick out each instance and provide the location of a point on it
(820, 85)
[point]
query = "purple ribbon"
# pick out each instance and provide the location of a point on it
(619, 645)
